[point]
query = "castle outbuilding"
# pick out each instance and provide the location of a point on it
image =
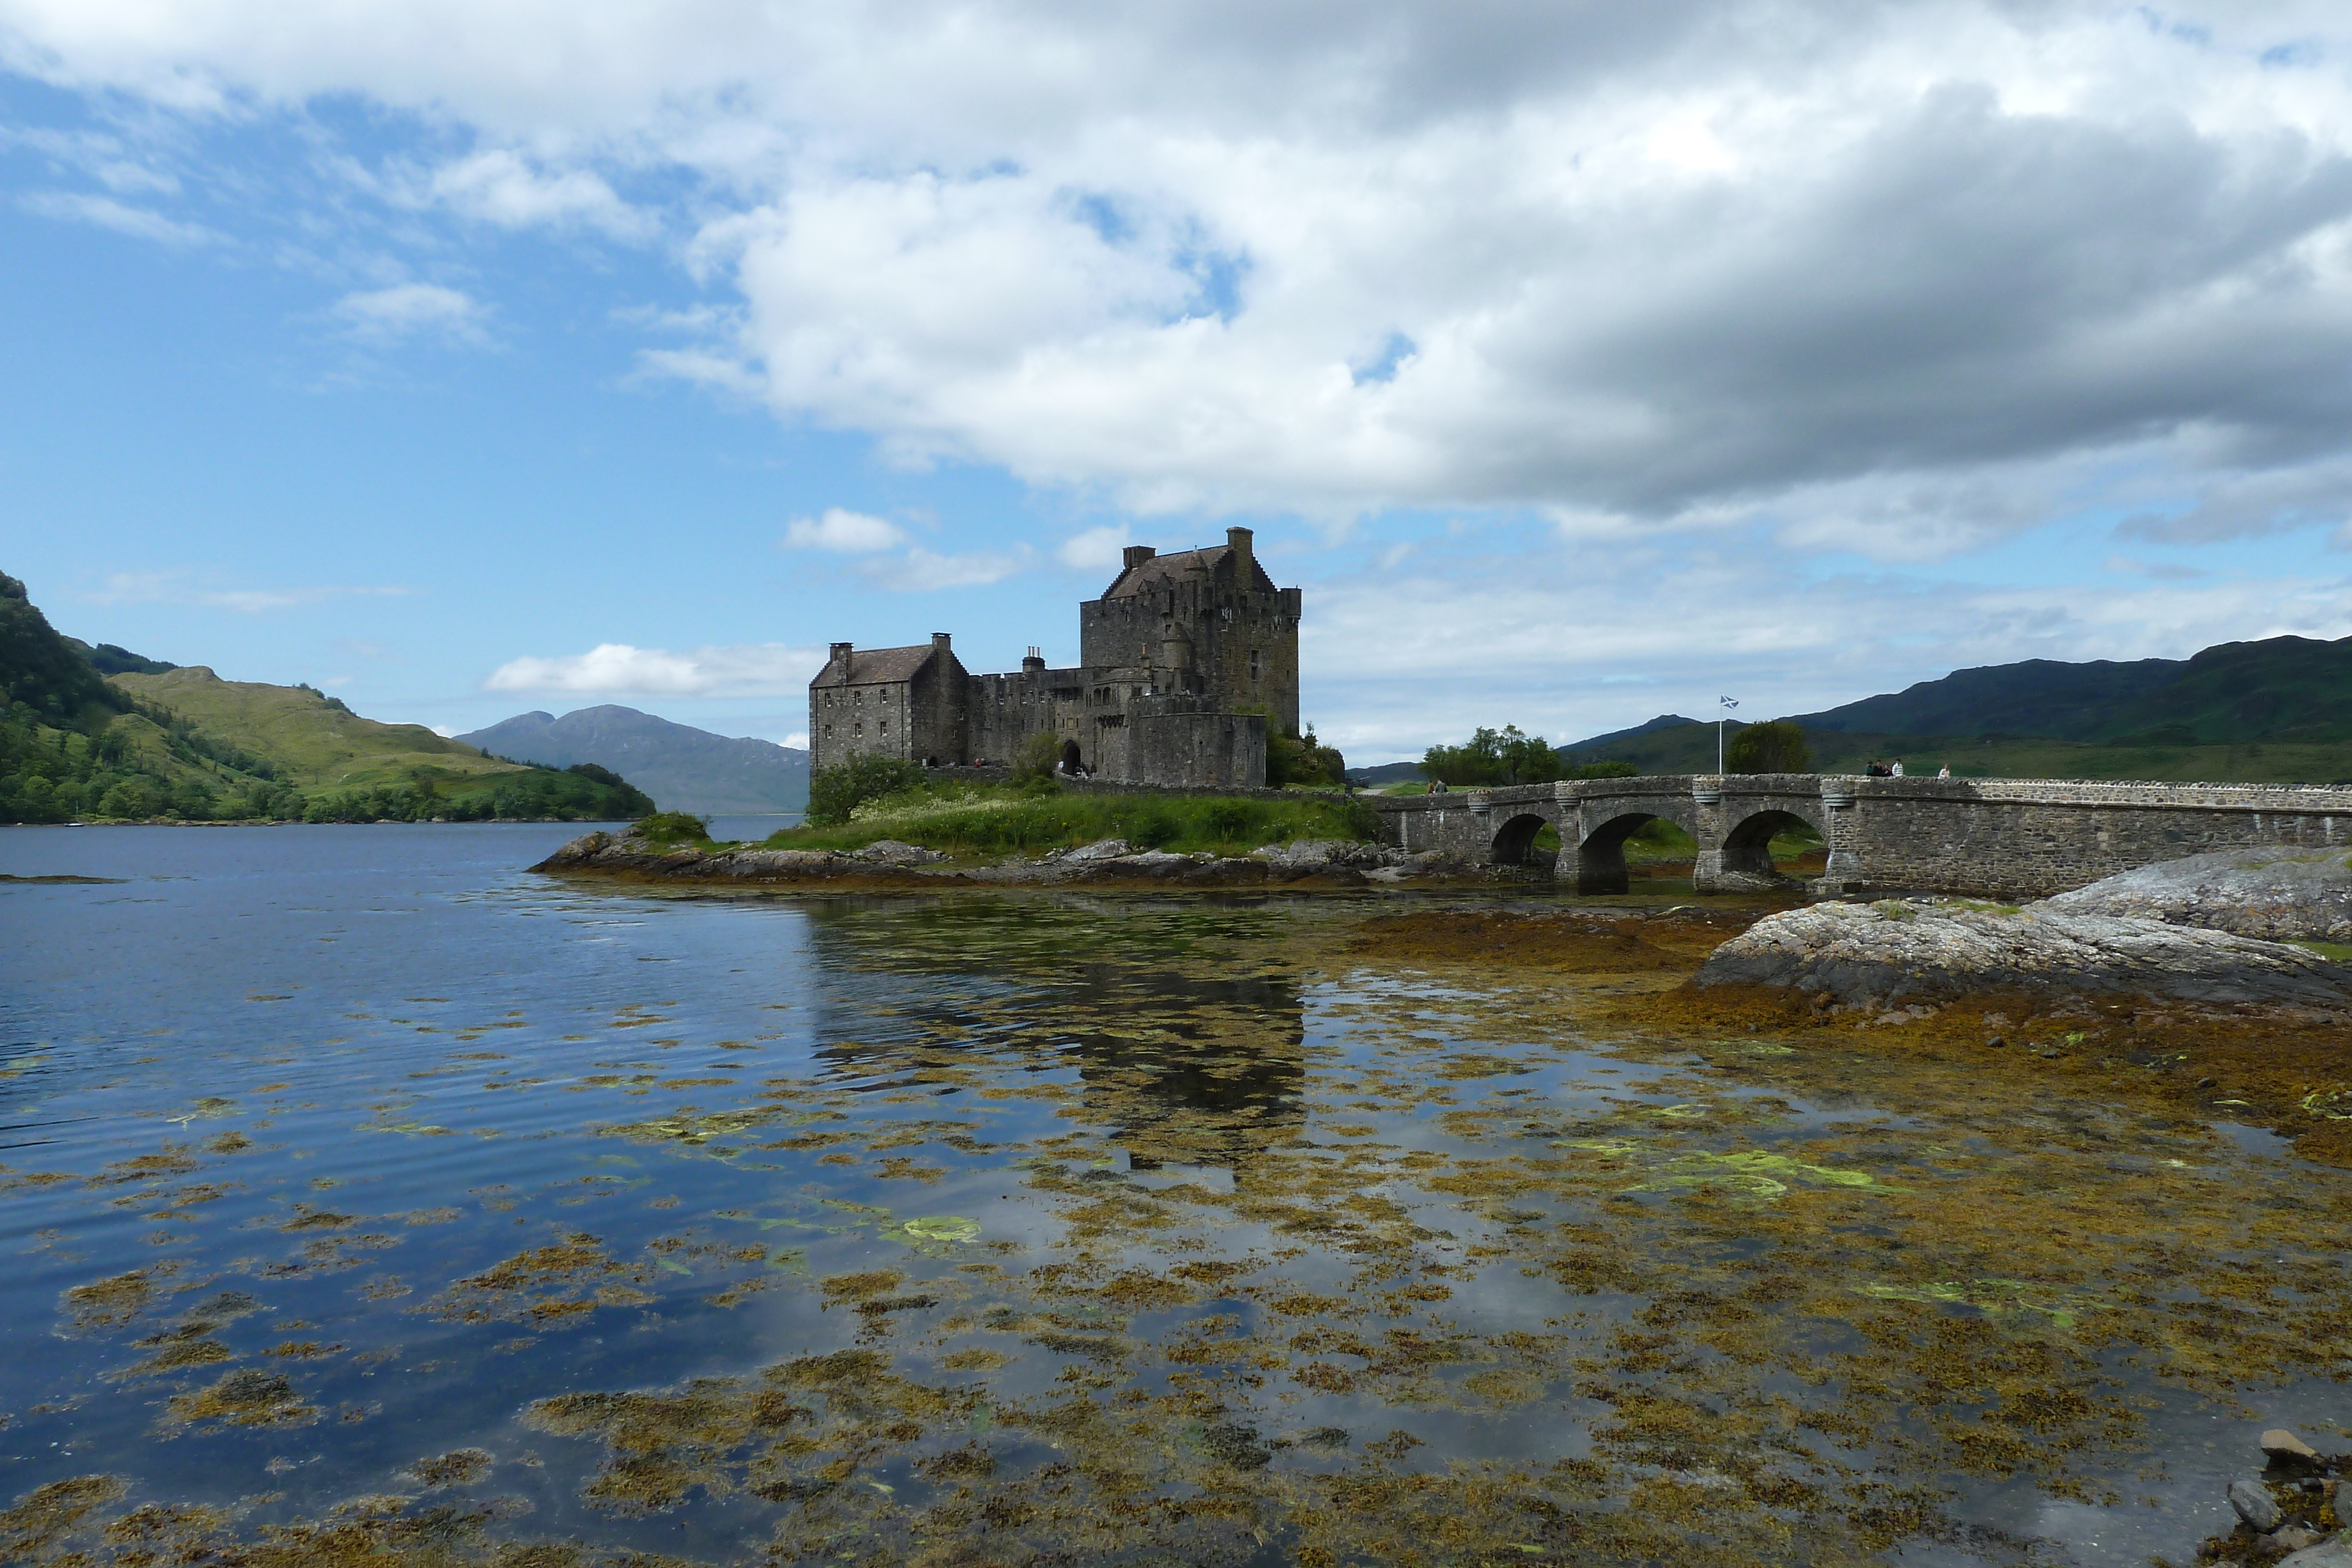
(1183, 663)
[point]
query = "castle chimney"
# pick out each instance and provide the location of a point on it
(1034, 662)
(1238, 541)
(939, 641)
(1134, 556)
(840, 659)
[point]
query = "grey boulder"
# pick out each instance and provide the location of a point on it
(2278, 894)
(1929, 949)
(2253, 1504)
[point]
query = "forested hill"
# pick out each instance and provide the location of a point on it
(2282, 689)
(156, 742)
(684, 768)
(2279, 709)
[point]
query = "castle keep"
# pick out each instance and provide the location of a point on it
(1183, 663)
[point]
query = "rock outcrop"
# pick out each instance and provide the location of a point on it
(2279, 896)
(1316, 863)
(1928, 950)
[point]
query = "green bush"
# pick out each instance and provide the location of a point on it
(671, 826)
(1492, 757)
(1036, 762)
(837, 792)
(1603, 770)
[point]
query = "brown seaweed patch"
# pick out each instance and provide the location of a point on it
(459, 1467)
(189, 1352)
(551, 1284)
(113, 1302)
(1560, 942)
(248, 1398)
(44, 1517)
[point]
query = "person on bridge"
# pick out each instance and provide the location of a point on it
(1897, 770)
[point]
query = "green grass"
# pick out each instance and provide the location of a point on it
(980, 819)
(2341, 952)
(314, 746)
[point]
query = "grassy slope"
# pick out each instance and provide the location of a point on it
(1691, 749)
(319, 748)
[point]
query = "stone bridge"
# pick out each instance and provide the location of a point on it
(1992, 838)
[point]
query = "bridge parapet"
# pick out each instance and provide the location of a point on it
(2009, 838)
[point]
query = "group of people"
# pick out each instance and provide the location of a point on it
(1894, 769)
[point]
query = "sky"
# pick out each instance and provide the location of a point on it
(1581, 362)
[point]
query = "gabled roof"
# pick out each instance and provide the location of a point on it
(876, 666)
(1184, 566)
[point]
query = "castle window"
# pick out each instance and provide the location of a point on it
(1257, 665)
(858, 730)
(886, 727)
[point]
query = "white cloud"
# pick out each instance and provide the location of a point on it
(184, 588)
(107, 212)
(499, 186)
(922, 572)
(1094, 550)
(1663, 263)
(843, 532)
(1569, 643)
(617, 669)
(406, 310)
(796, 741)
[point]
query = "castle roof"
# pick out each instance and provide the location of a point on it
(876, 666)
(1184, 566)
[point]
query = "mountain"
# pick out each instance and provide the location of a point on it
(1619, 736)
(2280, 689)
(684, 768)
(2278, 710)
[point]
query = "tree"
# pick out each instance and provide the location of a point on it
(1490, 757)
(837, 792)
(1779, 747)
(1293, 758)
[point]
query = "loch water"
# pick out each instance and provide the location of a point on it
(365, 1193)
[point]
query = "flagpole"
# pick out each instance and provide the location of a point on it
(1728, 703)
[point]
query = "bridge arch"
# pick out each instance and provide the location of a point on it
(1514, 839)
(1601, 854)
(1747, 845)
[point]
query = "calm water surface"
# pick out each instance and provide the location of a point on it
(357, 1180)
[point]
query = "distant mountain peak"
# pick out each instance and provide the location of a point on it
(682, 767)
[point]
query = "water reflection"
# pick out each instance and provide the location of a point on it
(1040, 1228)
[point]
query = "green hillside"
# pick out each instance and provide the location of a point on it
(316, 740)
(2282, 689)
(159, 743)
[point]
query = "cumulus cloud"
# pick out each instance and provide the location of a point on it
(1900, 281)
(920, 570)
(190, 588)
(500, 186)
(406, 310)
(1568, 643)
(617, 669)
(843, 532)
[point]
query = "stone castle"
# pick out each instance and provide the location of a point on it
(1183, 663)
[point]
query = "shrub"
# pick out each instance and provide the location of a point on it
(1036, 762)
(1779, 747)
(1229, 819)
(1505, 755)
(837, 792)
(670, 827)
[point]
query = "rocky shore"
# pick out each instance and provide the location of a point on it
(1933, 950)
(2290, 1514)
(1112, 862)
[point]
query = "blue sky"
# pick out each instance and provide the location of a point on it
(1579, 364)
